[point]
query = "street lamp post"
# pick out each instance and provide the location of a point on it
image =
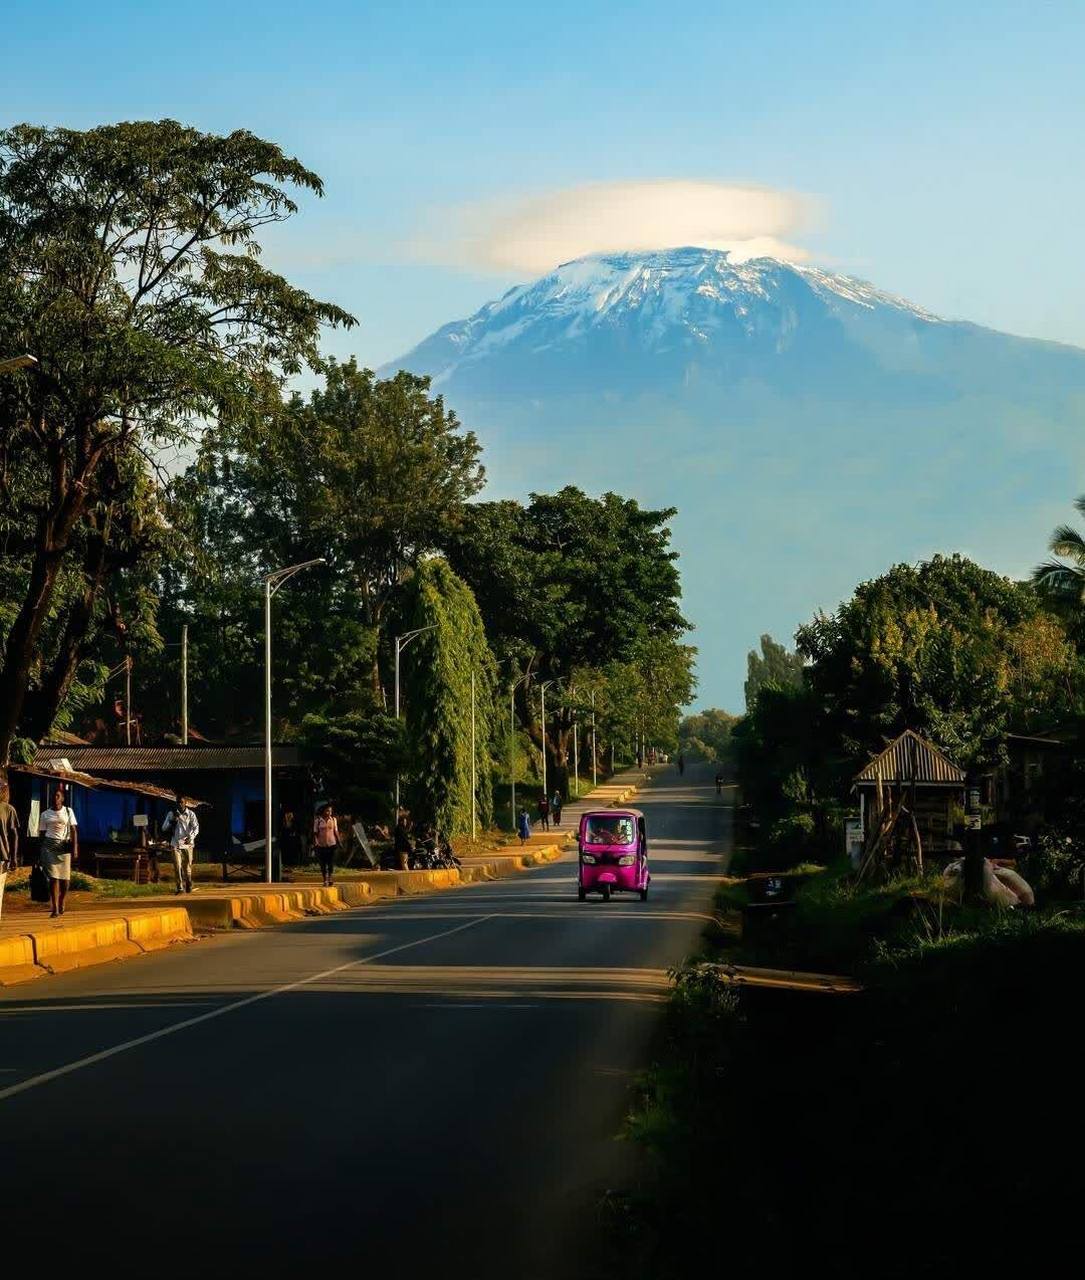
(401, 643)
(594, 757)
(474, 761)
(542, 689)
(272, 582)
(526, 678)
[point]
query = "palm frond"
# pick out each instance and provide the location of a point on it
(1060, 579)
(1068, 541)
(1079, 504)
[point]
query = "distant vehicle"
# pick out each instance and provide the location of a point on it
(612, 845)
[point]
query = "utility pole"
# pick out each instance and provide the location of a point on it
(184, 685)
(576, 763)
(128, 700)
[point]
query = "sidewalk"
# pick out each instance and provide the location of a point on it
(93, 931)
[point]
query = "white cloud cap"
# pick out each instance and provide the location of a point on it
(536, 234)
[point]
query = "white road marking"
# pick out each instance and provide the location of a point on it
(104, 1054)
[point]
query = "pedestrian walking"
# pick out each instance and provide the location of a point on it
(9, 840)
(544, 812)
(523, 827)
(681, 764)
(326, 840)
(59, 843)
(555, 808)
(289, 839)
(719, 783)
(402, 848)
(183, 827)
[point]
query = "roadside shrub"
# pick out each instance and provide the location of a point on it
(1057, 864)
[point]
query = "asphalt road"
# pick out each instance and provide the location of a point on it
(433, 1085)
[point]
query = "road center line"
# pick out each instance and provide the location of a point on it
(103, 1054)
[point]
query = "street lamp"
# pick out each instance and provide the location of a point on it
(594, 778)
(474, 760)
(512, 738)
(272, 582)
(401, 643)
(14, 363)
(542, 689)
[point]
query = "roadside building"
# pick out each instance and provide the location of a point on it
(914, 772)
(229, 780)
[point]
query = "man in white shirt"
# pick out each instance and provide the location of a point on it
(184, 827)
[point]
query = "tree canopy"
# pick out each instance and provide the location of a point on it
(129, 269)
(774, 667)
(947, 648)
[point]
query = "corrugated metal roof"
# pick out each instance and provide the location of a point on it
(909, 759)
(73, 776)
(164, 759)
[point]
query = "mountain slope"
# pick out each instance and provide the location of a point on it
(810, 428)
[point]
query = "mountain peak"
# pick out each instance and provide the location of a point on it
(656, 301)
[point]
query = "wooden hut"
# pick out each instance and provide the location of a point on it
(913, 775)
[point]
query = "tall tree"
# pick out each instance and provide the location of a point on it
(565, 583)
(368, 473)
(774, 667)
(447, 661)
(946, 647)
(129, 268)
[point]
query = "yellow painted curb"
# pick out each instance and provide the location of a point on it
(151, 931)
(17, 960)
(72, 946)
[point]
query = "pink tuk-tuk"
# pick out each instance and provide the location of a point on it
(613, 853)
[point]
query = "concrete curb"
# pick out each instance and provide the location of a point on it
(93, 940)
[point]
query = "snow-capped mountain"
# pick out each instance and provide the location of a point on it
(810, 428)
(685, 300)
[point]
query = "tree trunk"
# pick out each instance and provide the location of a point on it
(52, 538)
(22, 642)
(42, 706)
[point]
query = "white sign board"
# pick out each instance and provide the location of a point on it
(33, 822)
(853, 840)
(363, 842)
(139, 819)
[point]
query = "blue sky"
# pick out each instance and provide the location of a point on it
(943, 142)
(938, 145)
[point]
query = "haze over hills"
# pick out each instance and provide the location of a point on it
(811, 429)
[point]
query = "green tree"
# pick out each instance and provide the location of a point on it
(947, 648)
(129, 268)
(707, 734)
(567, 583)
(774, 667)
(438, 687)
(368, 474)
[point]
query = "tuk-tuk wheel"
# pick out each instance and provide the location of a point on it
(581, 892)
(644, 895)
(605, 892)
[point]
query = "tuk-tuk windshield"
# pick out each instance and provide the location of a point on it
(608, 829)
